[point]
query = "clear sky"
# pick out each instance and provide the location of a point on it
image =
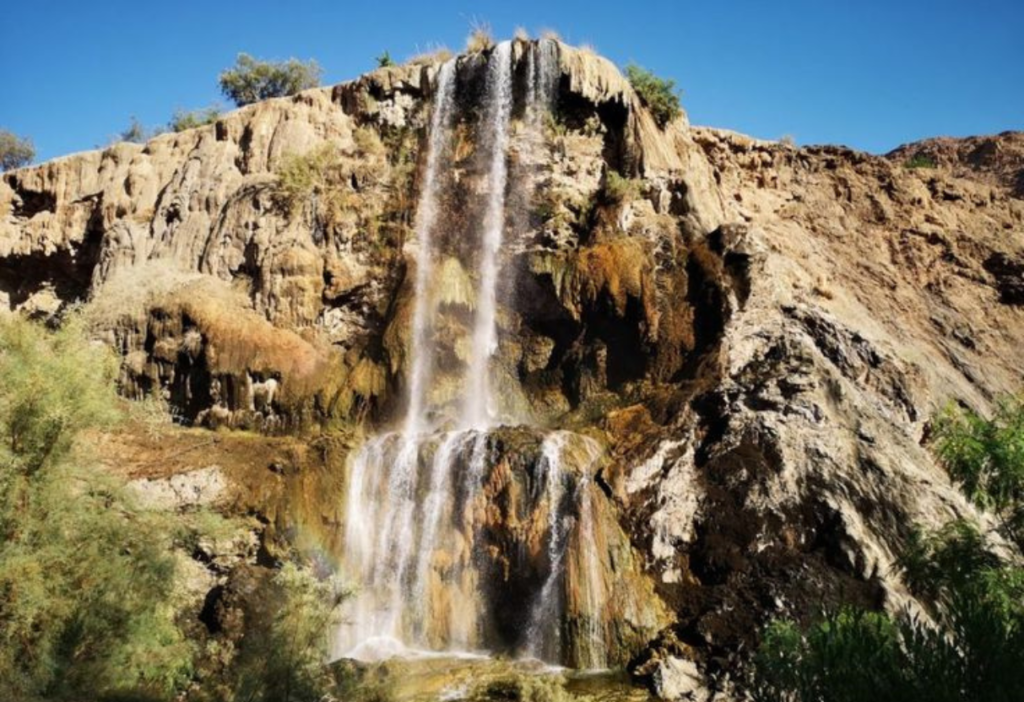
(870, 73)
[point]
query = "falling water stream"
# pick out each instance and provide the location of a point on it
(415, 496)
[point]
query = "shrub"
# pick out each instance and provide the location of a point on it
(252, 80)
(384, 60)
(619, 189)
(286, 643)
(986, 456)
(136, 133)
(85, 580)
(317, 173)
(659, 94)
(15, 151)
(920, 161)
(191, 119)
(973, 651)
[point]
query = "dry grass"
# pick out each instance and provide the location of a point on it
(550, 35)
(433, 55)
(521, 34)
(480, 38)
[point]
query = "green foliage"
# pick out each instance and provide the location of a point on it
(191, 119)
(619, 189)
(315, 174)
(286, 642)
(920, 161)
(85, 580)
(659, 94)
(15, 151)
(986, 456)
(974, 650)
(251, 80)
(384, 60)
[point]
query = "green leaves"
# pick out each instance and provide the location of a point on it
(252, 80)
(659, 94)
(986, 456)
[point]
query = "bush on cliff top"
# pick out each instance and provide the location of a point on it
(251, 80)
(191, 119)
(659, 94)
(15, 151)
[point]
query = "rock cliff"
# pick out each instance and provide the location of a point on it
(758, 334)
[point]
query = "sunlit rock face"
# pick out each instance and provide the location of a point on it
(579, 385)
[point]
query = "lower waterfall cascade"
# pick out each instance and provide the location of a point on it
(467, 529)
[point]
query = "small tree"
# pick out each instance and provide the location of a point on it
(252, 80)
(15, 151)
(659, 94)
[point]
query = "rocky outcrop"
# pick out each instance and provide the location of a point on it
(758, 334)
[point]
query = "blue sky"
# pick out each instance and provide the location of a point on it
(871, 73)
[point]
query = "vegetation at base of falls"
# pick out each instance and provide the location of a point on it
(522, 688)
(659, 94)
(986, 458)
(920, 161)
(285, 643)
(190, 119)
(251, 80)
(15, 151)
(86, 601)
(971, 644)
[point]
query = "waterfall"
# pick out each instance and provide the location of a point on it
(424, 509)
(478, 409)
(421, 351)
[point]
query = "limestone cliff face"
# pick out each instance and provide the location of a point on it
(758, 333)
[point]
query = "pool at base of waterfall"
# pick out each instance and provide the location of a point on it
(433, 677)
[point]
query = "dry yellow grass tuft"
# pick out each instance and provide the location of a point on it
(480, 38)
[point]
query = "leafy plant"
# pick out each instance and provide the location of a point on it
(986, 456)
(920, 161)
(384, 60)
(15, 151)
(659, 94)
(86, 605)
(286, 644)
(191, 119)
(619, 189)
(251, 80)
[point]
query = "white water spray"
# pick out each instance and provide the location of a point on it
(478, 409)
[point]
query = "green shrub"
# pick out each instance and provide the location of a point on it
(619, 189)
(85, 577)
(973, 651)
(191, 119)
(318, 173)
(15, 151)
(659, 94)
(920, 161)
(251, 80)
(986, 456)
(286, 643)
(384, 60)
